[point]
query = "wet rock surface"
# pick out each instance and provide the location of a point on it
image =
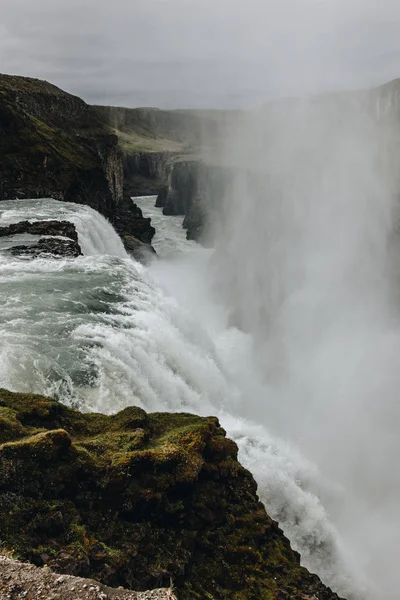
(141, 252)
(61, 228)
(54, 246)
(138, 500)
(135, 230)
(129, 220)
(61, 240)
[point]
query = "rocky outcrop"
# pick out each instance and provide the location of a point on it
(138, 500)
(183, 187)
(61, 228)
(162, 197)
(52, 144)
(152, 140)
(129, 221)
(49, 246)
(145, 173)
(61, 239)
(22, 580)
(195, 190)
(141, 252)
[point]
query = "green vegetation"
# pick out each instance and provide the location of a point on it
(14, 83)
(131, 142)
(135, 499)
(53, 144)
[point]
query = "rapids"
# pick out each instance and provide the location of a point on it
(101, 332)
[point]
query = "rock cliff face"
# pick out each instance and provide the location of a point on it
(195, 190)
(145, 173)
(153, 140)
(150, 140)
(53, 144)
(139, 499)
(136, 231)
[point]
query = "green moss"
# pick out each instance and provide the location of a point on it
(136, 499)
(53, 144)
(132, 141)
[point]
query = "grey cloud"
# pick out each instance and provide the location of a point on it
(200, 52)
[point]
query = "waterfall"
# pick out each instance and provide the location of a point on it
(97, 237)
(307, 259)
(101, 332)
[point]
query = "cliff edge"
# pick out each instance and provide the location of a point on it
(52, 144)
(138, 500)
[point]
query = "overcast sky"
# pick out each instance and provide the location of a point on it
(180, 53)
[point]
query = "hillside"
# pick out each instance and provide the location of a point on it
(53, 144)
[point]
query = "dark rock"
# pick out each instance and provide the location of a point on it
(162, 197)
(62, 228)
(54, 246)
(53, 144)
(196, 190)
(145, 173)
(129, 220)
(141, 252)
(184, 180)
(135, 499)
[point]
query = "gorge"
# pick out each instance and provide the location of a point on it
(282, 327)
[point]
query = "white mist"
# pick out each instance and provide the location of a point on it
(307, 259)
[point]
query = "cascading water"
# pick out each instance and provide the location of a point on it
(307, 259)
(101, 332)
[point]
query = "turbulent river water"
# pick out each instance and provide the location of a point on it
(101, 332)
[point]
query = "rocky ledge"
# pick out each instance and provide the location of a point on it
(61, 239)
(62, 228)
(50, 246)
(137, 500)
(22, 580)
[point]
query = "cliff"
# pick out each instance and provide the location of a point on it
(153, 140)
(195, 190)
(197, 186)
(145, 173)
(53, 144)
(138, 500)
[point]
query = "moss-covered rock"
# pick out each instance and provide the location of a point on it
(135, 499)
(53, 144)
